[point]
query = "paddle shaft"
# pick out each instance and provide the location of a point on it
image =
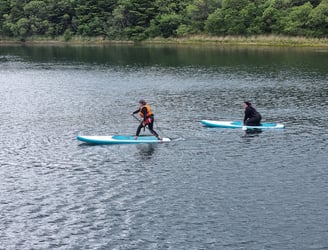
(146, 126)
(138, 120)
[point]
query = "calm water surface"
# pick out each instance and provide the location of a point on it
(208, 189)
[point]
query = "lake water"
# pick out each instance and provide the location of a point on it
(207, 189)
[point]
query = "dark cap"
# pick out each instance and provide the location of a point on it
(247, 103)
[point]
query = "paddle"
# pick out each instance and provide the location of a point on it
(135, 118)
(138, 120)
(146, 126)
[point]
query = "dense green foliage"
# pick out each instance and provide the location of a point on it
(141, 19)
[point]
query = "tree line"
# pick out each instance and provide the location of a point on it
(141, 19)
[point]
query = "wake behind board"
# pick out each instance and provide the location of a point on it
(119, 139)
(239, 124)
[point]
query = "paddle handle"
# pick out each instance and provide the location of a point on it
(135, 117)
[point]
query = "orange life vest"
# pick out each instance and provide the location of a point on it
(149, 112)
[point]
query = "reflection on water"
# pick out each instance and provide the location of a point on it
(254, 131)
(250, 133)
(199, 191)
(145, 151)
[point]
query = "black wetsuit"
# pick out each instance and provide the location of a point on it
(149, 124)
(252, 117)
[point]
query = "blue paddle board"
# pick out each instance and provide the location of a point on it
(239, 124)
(119, 139)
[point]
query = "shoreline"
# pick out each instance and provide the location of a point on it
(260, 41)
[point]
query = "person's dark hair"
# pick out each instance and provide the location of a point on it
(142, 101)
(247, 103)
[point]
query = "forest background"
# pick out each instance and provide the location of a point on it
(138, 20)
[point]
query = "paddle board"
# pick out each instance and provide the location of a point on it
(239, 124)
(119, 139)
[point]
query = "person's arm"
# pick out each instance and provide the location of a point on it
(135, 112)
(247, 113)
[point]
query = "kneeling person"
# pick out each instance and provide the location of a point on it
(252, 117)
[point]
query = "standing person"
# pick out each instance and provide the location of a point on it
(252, 117)
(147, 117)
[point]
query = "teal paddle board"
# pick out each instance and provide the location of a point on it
(239, 124)
(119, 139)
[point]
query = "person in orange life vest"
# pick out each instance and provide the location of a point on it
(252, 117)
(147, 118)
